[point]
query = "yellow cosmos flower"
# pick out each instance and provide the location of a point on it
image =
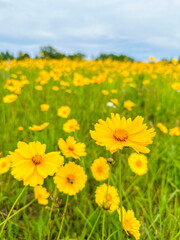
(174, 131)
(39, 88)
(64, 111)
(44, 107)
(107, 197)
(4, 165)
(114, 100)
(138, 163)
(41, 195)
(130, 223)
(114, 91)
(174, 60)
(55, 88)
(70, 178)
(10, 98)
(105, 92)
(70, 148)
(162, 128)
(71, 125)
(128, 105)
(38, 128)
(32, 165)
(116, 133)
(152, 59)
(100, 169)
(145, 82)
(20, 128)
(176, 85)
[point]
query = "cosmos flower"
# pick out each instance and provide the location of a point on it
(162, 128)
(71, 125)
(107, 197)
(4, 165)
(41, 195)
(20, 128)
(151, 58)
(39, 88)
(44, 107)
(70, 148)
(116, 133)
(32, 165)
(138, 163)
(128, 105)
(100, 169)
(64, 111)
(70, 179)
(130, 223)
(105, 92)
(174, 131)
(55, 88)
(38, 128)
(10, 98)
(114, 101)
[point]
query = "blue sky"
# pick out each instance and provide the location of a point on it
(137, 28)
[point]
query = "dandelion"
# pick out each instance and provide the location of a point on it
(107, 197)
(162, 128)
(4, 165)
(41, 195)
(70, 179)
(10, 98)
(32, 165)
(116, 133)
(100, 169)
(130, 223)
(128, 105)
(44, 107)
(38, 128)
(138, 163)
(64, 111)
(70, 148)
(71, 125)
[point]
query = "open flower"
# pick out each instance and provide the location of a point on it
(64, 111)
(70, 148)
(107, 197)
(10, 98)
(162, 128)
(32, 165)
(44, 107)
(128, 105)
(71, 125)
(41, 195)
(138, 163)
(116, 133)
(4, 165)
(38, 128)
(100, 169)
(174, 131)
(70, 178)
(130, 223)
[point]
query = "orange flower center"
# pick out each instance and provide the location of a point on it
(99, 169)
(109, 197)
(71, 148)
(138, 163)
(3, 165)
(120, 135)
(37, 159)
(70, 179)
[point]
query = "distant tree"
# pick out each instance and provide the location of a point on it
(76, 56)
(6, 56)
(112, 56)
(51, 52)
(22, 56)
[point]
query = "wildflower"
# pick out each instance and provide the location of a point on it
(71, 125)
(39, 88)
(20, 128)
(162, 128)
(70, 148)
(41, 195)
(114, 101)
(10, 98)
(116, 133)
(130, 223)
(128, 105)
(151, 58)
(145, 82)
(32, 165)
(64, 111)
(38, 128)
(44, 107)
(114, 91)
(174, 60)
(4, 165)
(105, 92)
(174, 131)
(138, 163)
(107, 197)
(55, 88)
(100, 169)
(70, 179)
(176, 85)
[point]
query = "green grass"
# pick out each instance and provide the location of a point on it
(154, 197)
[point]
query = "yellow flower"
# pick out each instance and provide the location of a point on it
(151, 58)
(10, 98)
(105, 92)
(39, 88)
(176, 85)
(116, 133)
(71, 125)
(55, 88)
(145, 82)
(4, 165)
(174, 60)
(32, 165)
(114, 91)
(64, 111)
(114, 100)
(174, 131)
(100, 169)
(20, 128)
(41, 195)
(128, 105)
(107, 197)
(44, 107)
(130, 223)
(38, 128)
(70, 178)
(162, 128)
(138, 163)
(71, 149)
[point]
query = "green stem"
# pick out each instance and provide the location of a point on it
(94, 225)
(8, 216)
(120, 192)
(21, 209)
(103, 225)
(49, 220)
(62, 221)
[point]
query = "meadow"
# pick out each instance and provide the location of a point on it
(32, 94)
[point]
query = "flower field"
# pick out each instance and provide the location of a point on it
(89, 149)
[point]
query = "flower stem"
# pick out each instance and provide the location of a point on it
(103, 225)
(120, 192)
(49, 220)
(62, 221)
(94, 225)
(8, 216)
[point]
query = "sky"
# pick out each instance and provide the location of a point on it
(137, 28)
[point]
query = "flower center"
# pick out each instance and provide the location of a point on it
(138, 163)
(3, 165)
(70, 179)
(71, 148)
(99, 169)
(37, 159)
(109, 197)
(120, 135)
